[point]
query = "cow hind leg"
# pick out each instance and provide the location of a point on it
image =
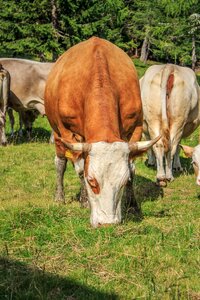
(60, 164)
(12, 121)
(168, 166)
(159, 154)
(176, 163)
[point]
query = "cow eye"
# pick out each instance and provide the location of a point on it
(94, 185)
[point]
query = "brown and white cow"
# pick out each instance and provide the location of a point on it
(171, 97)
(194, 153)
(28, 79)
(92, 101)
(4, 95)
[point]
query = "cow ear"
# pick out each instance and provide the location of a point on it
(188, 151)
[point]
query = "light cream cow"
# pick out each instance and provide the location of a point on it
(28, 79)
(194, 153)
(170, 97)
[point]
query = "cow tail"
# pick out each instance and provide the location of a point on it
(4, 89)
(167, 79)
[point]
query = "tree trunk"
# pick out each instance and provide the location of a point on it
(194, 58)
(145, 49)
(54, 20)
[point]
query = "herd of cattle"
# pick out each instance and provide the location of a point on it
(98, 110)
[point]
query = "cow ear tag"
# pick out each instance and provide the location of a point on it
(69, 154)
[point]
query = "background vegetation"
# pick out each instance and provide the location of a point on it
(50, 251)
(162, 30)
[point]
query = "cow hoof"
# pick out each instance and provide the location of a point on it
(85, 204)
(60, 199)
(170, 179)
(179, 169)
(161, 183)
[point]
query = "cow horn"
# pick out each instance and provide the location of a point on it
(84, 147)
(142, 145)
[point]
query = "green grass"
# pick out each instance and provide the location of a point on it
(50, 251)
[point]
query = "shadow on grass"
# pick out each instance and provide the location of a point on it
(146, 189)
(19, 281)
(37, 135)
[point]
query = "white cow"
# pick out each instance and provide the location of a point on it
(194, 153)
(171, 98)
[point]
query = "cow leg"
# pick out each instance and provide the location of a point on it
(151, 158)
(60, 164)
(159, 153)
(3, 136)
(176, 163)
(51, 140)
(3, 140)
(168, 167)
(20, 125)
(83, 193)
(131, 204)
(12, 121)
(79, 168)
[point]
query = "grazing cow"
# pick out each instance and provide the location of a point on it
(194, 153)
(171, 97)
(28, 79)
(92, 101)
(4, 95)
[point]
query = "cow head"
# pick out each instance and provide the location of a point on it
(194, 153)
(107, 170)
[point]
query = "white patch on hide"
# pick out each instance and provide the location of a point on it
(109, 165)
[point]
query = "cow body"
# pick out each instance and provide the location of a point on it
(28, 79)
(171, 98)
(4, 95)
(92, 101)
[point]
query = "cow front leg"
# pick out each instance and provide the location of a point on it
(83, 193)
(79, 168)
(60, 164)
(131, 203)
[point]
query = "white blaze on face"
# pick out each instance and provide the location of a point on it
(106, 175)
(196, 163)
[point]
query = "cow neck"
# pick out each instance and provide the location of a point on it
(101, 107)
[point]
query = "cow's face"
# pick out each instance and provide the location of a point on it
(194, 153)
(106, 173)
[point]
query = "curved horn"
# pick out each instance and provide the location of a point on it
(84, 147)
(143, 145)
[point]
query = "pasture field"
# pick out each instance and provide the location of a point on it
(50, 251)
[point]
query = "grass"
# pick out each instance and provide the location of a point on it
(50, 251)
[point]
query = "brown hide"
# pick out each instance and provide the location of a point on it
(92, 94)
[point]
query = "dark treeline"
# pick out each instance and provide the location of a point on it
(162, 30)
